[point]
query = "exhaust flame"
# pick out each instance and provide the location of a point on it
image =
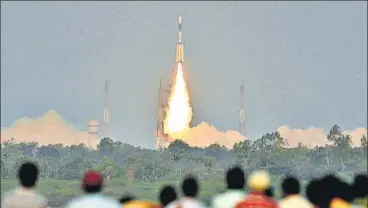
(179, 112)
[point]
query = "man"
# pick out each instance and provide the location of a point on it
(92, 185)
(167, 196)
(339, 193)
(258, 183)
(235, 181)
(291, 195)
(25, 196)
(360, 190)
(190, 189)
(313, 193)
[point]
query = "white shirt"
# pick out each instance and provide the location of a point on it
(23, 198)
(295, 201)
(94, 201)
(186, 202)
(228, 199)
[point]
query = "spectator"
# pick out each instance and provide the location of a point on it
(190, 189)
(258, 183)
(235, 181)
(126, 198)
(92, 185)
(167, 196)
(313, 193)
(360, 190)
(25, 196)
(140, 204)
(338, 192)
(291, 194)
(269, 193)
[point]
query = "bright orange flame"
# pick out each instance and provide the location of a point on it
(179, 112)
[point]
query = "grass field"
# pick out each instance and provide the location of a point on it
(59, 192)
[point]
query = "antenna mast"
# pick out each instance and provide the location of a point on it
(242, 111)
(107, 109)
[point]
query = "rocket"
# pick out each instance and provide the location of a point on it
(179, 58)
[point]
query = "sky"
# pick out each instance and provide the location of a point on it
(304, 64)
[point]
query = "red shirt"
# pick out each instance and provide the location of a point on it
(256, 200)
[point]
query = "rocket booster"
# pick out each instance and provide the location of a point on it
(179, 47)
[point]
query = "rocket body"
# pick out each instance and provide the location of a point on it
(179, 47)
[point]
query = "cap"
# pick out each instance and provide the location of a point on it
(92, 178)
(259, 181)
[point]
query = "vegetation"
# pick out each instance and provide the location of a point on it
(62, 167)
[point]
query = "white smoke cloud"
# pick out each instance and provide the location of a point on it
(204, 135)
(50, 128)
(313, 137)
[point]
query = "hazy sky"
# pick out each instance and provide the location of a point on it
(304, 63)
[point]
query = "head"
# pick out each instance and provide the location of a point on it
(167, 195)
(313, 192)
(259, 181)
(92, 182)
(290, 186)
(360, 186)
(190, 186)
(126, 198)
(235, 178)
(333, 187)
(28, 175)
(269, 192)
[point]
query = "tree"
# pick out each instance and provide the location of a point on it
(364, 142)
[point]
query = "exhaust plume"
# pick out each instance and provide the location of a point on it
(313, 137)
(50, 128)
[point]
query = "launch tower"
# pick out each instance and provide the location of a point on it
(242, 111)
(106, 120)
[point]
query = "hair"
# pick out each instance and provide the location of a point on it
(126, 198)
(290, 186)
(167, 195)
(235, 178)
(92, 188)
(313, 192)
(332, 187)
(28, 174)
(190, 186)
(269, 192)
(360, 186)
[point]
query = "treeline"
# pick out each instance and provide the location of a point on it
(120, 160)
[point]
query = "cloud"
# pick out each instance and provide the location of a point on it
(204, 135)
(312, 137)
(50, 128)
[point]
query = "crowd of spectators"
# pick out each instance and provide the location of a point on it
(325, 192)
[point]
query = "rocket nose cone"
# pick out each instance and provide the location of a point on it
(180, 19)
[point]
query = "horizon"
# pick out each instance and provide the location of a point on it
(304, 64)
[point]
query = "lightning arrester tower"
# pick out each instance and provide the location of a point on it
(160, 134)
(242, 111)
(107, 109)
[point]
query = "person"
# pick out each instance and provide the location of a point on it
(313, 193)
(360, 190)
(126, 198)
(167, 196)
(25, 196)
(190, 189)
(258, 182)
(338, 192)
(141, 204)
(291, 195)
(92, 185)
(235, 181)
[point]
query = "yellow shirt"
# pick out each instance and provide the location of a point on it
(339, 203)
(140, 204)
